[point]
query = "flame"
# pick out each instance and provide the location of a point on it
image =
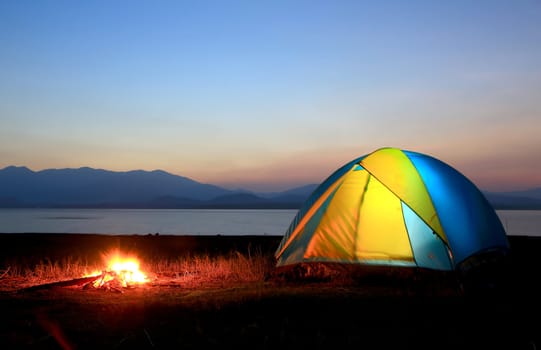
(121, 271)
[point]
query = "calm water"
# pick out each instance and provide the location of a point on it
(193, 222)
(144, 221)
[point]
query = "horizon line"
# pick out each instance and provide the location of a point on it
(237, 187)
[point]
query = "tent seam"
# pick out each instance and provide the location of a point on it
(359, 213)
(402, 203)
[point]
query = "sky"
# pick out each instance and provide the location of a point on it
(269, 95)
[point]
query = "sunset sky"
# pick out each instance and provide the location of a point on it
(268, 95)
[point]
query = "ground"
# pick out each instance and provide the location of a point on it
(396, 311)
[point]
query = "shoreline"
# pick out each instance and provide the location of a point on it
(525, 250)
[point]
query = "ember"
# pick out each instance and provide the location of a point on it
(121, 272)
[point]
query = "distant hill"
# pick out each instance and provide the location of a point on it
(85, 187)
(294, 195)
(96, 187)
(530, 199)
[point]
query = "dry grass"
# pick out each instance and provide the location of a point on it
(45, 271)
(226, 270)
(234, 267)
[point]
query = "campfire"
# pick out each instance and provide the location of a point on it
(121, 272)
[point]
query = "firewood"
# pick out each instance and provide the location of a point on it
(68, 283)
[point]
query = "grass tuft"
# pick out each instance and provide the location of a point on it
(230, 268)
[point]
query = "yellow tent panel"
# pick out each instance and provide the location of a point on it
(393, 168)
(335, 235)
(382, 231)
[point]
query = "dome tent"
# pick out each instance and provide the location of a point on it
(394, 207)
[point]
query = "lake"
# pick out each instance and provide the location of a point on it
(192, 222)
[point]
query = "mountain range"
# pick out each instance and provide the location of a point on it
(86, 187)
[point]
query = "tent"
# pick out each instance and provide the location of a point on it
(394, 207)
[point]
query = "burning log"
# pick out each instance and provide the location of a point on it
(110, 281)
(68, 283)
(121, 273)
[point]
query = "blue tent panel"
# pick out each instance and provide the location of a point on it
(428, 249)
(471, 225)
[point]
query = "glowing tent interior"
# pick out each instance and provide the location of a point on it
(394, 207)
